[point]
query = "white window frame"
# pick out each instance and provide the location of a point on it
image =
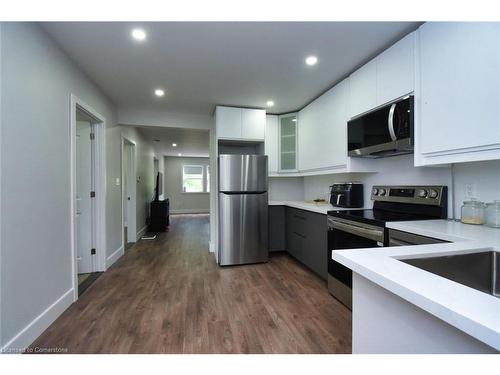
(203, 179)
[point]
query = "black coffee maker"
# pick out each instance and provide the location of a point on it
(347, 195)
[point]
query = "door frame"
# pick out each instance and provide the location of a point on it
(99, 204)
(133, 172)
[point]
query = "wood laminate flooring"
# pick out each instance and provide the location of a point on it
(169, 296)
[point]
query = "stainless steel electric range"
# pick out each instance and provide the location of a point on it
(355, 229)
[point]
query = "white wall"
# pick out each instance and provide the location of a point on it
(286, 189)
(37, 80)
(144, 154)
(152, 117)
(183, 202)
(400, 170)
(486, 177)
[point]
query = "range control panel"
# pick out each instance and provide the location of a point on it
(430, 195)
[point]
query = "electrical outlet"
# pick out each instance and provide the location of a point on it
(470, 191)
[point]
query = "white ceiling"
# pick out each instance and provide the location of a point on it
(190, 142)
(203, 64)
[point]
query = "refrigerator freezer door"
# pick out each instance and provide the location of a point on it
(243, 173)
(243, 231)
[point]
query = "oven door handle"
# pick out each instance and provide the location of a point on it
(372, 234)
(394, 242)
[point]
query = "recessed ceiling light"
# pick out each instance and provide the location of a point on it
(179, 154)
(159, 92)
(270, 103)
(156, 140)
(294, 120)
(174, 144)
(139, 34)
(311, 60)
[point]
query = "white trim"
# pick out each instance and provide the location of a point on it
(35, 328)
(100, 187)
(114, 256)
(141, 232)
(211, 247)
(190, 211)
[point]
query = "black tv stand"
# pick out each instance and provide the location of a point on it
(160, 219)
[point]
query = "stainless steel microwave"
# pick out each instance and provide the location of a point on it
(386, 131)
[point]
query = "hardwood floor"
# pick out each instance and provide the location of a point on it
(169, 296)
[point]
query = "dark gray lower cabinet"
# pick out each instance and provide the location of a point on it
(277, 228)
(306, 239)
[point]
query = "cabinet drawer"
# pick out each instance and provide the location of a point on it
(306, 239)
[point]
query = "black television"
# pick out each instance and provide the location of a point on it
(158, 186)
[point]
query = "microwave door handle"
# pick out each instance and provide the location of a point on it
(390, 123)
(338, 198)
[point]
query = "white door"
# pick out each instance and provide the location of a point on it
(83, 199)
(129, 190)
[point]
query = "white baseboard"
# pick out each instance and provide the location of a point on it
(141, 232)
(35, 328)
(190, 211)
(211, 247)
(114, 256)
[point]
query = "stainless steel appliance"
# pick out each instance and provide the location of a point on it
(347, 195)
(243, 205)
(399, 238)
(358, 229)
(387, 131)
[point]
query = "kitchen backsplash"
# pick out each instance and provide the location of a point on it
(485, 177)
(286, 189)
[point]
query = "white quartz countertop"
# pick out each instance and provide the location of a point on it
(449, 230)
(474, 312)
(320, 208)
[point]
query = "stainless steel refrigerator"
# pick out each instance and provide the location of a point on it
(243, 207)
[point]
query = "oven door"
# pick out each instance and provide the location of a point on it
(347, 235)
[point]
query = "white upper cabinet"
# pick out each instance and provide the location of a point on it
(228, 122)
(459, 82)
(363, 89)
(240, 123)
(396, 70)
(322, 132)
(387, 77)
(271, 144)
(253, 124)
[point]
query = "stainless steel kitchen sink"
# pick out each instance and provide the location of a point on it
(475, 270)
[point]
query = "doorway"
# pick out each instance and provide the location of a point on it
(87, 195)
(129, 186)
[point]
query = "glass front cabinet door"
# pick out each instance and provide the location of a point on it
(288, 142)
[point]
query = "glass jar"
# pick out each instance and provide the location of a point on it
(493, 214)
(473, 212)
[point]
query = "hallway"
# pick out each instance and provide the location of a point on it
(169, 296)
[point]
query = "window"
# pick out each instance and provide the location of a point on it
(194, 179)
(208, 179)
